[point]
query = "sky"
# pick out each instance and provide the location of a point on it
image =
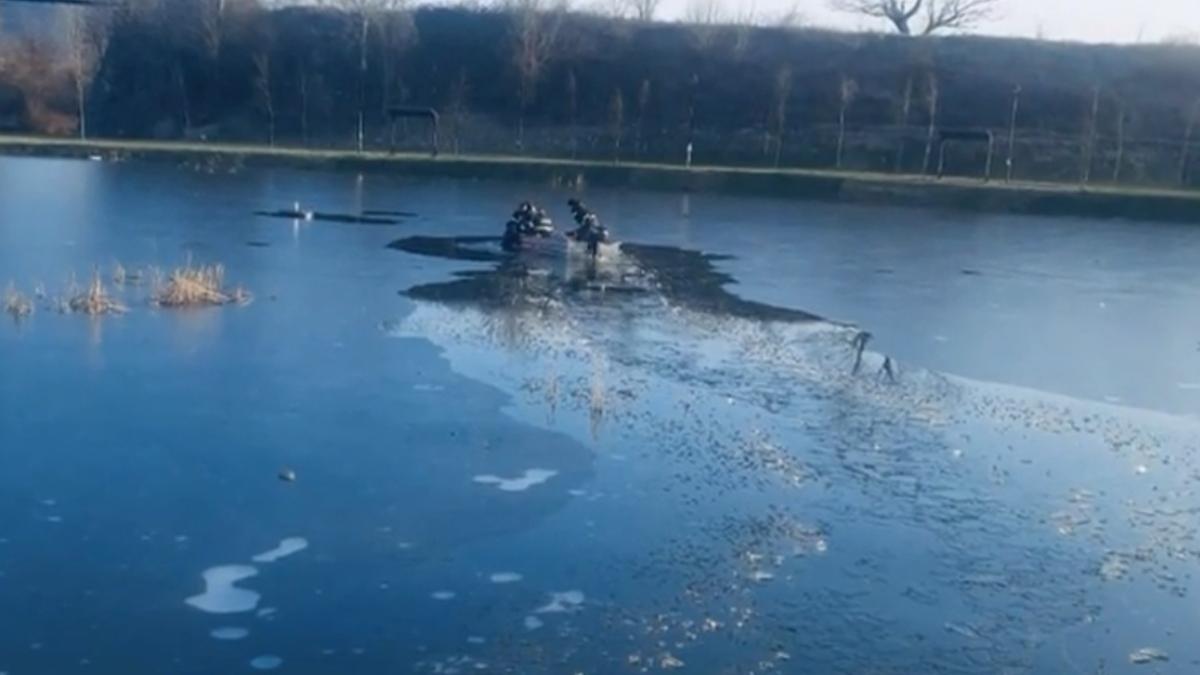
(1080, 20)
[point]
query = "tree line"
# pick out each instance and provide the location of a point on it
(534, 78)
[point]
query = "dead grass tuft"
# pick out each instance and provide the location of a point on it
(17, 304)
(192, 286)
(94, 300)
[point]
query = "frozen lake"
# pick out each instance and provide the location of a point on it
(662, 461)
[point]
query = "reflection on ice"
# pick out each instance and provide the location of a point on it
(230, 633)
(287, 547)
(221, 596)
(266, 662)
(994, 513)
(530, 478)
(567, 601)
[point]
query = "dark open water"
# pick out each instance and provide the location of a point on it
(662, 462)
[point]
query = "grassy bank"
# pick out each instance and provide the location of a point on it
(851, 187)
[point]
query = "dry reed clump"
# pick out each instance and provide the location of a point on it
(94, 300)
(16, 304)
(191, 286)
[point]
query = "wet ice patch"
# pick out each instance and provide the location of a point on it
(1114, 568)
(529, 479)
(221, 595)
(266, 662)
(1148, 655)
(229, 633)
(505, 578)
(287, 547)
(567, 601)
(458, 663)
(442, 596)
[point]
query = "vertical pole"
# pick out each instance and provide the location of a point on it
(1012, 132)
(987, 176)
(362, 82)
(904, 115)
(437, 149)
(1185, 151)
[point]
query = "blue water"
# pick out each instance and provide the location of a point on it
(719, 492)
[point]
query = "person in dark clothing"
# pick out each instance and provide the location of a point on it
(860, 345)
(511, 241)
(578, 210)
(592, 233)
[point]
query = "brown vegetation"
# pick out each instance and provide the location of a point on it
(192, 286)
(16, 304)
(94, 300)
(531, 75)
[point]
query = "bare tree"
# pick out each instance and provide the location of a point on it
(302, 89)
(362, 12)
(368, 13)
(643, 10)
(535, 31)
(783, 90)
(262, 88)
(1120, 158)
(1089, 139)
(704, 12)
(616, 9)
(932, 96)
(456, 106)
(616, 121)
(703, 17)
(364, 18)
(1185, 152)
(792, 16)
(744, 21)
(847, 94)
(1009, 163)
(185, 104)
(573, 110)
(643, 103)
(396, 33)
(934, 15)
(902, 120)
(211, 26)
(87, 41)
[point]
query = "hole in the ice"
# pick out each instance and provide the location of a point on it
(221, 595)
(287, 547)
